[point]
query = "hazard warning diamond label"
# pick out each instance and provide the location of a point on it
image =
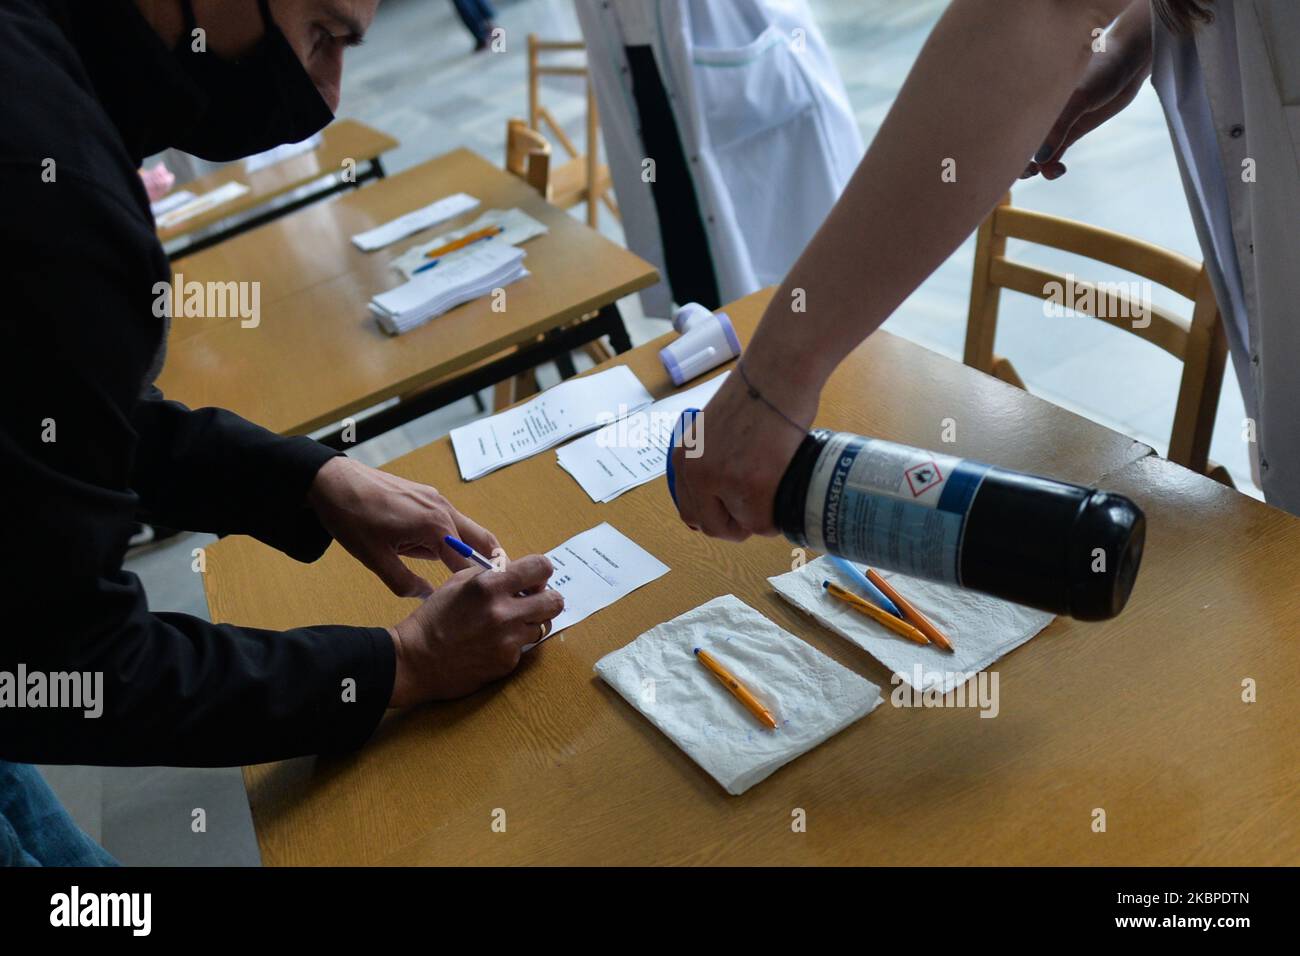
(921, 478)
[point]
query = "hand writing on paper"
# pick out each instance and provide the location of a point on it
(727, 485)
(379, 518)
(472, 630)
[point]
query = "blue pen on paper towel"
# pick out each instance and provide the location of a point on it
(465, 551)
(864, 584)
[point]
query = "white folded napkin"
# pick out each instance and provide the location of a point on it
(980, 627)
(811, 696)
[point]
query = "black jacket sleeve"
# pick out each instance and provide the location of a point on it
(210, 470)
(84, 449)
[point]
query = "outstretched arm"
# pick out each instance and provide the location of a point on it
(989, 84)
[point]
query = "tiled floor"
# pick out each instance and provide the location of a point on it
(415, 78)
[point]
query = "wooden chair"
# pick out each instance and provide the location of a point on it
(583, 178)
(528, 156)
(1199, 342)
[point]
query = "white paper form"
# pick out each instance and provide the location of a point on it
(279, 154)
(630, 452)
(413, 222)
(596, 568)
(559, 413)
(171, 201)
(201, 204)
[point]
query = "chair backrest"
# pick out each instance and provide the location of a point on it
(583, 178)
(528, 156)
(1199, 342)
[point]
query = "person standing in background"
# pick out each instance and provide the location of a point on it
(994, 85)
(729, 137)
(479, 18)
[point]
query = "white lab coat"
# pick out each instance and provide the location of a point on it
(763, 117)
(1231, 94)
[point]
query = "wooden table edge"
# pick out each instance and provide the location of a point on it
(464, 361)
(384, 143)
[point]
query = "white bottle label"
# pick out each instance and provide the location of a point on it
(891, 506)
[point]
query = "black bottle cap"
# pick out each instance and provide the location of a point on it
(1116, 526)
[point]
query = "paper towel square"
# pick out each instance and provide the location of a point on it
(811, 696)
(980, 627)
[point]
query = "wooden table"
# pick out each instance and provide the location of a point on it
(318, 354)
(1141, 716)
(342, 141)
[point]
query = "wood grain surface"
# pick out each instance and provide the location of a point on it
(343, 140)
(1141, 716)
(318, 354)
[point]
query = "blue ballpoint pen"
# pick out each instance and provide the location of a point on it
(465, 551)
(864, 584)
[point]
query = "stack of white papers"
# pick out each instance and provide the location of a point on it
(171, 201)
(432, 293)
(517, 227)
(568, 409)
(413, 222)
(596, 568)
(630, 452)
(201, 204)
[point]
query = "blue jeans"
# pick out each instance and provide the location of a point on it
(477, 15)
(35, 830)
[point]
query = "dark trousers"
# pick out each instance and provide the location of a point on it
(687, 258)
(478, 16)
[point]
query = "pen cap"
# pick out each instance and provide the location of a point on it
(708, 344)
(690, 315)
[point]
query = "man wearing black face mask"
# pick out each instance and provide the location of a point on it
(88, 446)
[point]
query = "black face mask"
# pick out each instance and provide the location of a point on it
(261, 100)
